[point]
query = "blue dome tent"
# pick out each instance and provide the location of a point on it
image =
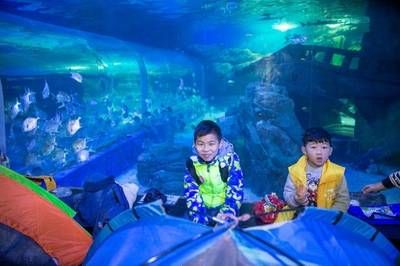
(315, 237)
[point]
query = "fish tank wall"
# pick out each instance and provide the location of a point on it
(74, 85)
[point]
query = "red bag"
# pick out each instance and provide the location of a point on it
(265, 209)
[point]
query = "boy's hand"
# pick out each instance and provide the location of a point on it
(301, 195)
(227, 217)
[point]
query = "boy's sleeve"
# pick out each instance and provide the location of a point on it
(393, 180)
(289, 191)
(234, 189)
(194, 202)
(342, 199)
(387, 183)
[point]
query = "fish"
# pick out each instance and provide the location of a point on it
(28, 98)
(181, 84)
(76, 76)
(230, 6)
(267, 16)
(49, 147)
(31, 145)
(148, 104)
(46, 90)
(127, 120)
(16, 109)
(137, 114)
(125, 111)
(79, 144)
(29, 124)
(51, 126)
(206, 6)
(82, 156)
(319, 22)
(73, 126)
(60, 156)
(297, 39)
(111, 109)
(62, 98)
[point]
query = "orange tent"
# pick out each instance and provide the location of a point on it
(36, 213)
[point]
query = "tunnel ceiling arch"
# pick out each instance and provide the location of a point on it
(264, 27)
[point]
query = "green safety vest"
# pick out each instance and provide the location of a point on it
(212, 189)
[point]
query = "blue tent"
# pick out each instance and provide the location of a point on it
(315, 237)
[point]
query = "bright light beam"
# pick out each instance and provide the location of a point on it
(284, 26)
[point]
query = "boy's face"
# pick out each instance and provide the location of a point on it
(207, 146)
(317, 153)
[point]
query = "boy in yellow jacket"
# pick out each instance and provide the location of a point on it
(314, 180)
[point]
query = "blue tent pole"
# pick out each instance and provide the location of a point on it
(2, 122)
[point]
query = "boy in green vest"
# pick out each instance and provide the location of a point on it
(314, 180)
(213, 183)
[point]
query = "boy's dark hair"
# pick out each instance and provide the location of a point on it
(316, 134)
(206, 127)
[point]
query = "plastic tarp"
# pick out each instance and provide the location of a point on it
(316, 237)
(385, 218)
(31, 210)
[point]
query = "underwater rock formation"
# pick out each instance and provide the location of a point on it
(356, 99)
(162, 166)
(267, 136)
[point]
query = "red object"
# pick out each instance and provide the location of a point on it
(265, 209)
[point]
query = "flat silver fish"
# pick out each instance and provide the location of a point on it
(46, 90)
(76, 76)
(60, 156)
(16, 109)
(31, 145)
(48, 148)
(82, 156)
(73, 126)
(28, 98)
(29, 124)
(62, 98)
(79, 144)
(51, 126)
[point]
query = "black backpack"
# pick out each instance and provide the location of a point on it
(101, 201)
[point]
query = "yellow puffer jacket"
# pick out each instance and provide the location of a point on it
(331, 178)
